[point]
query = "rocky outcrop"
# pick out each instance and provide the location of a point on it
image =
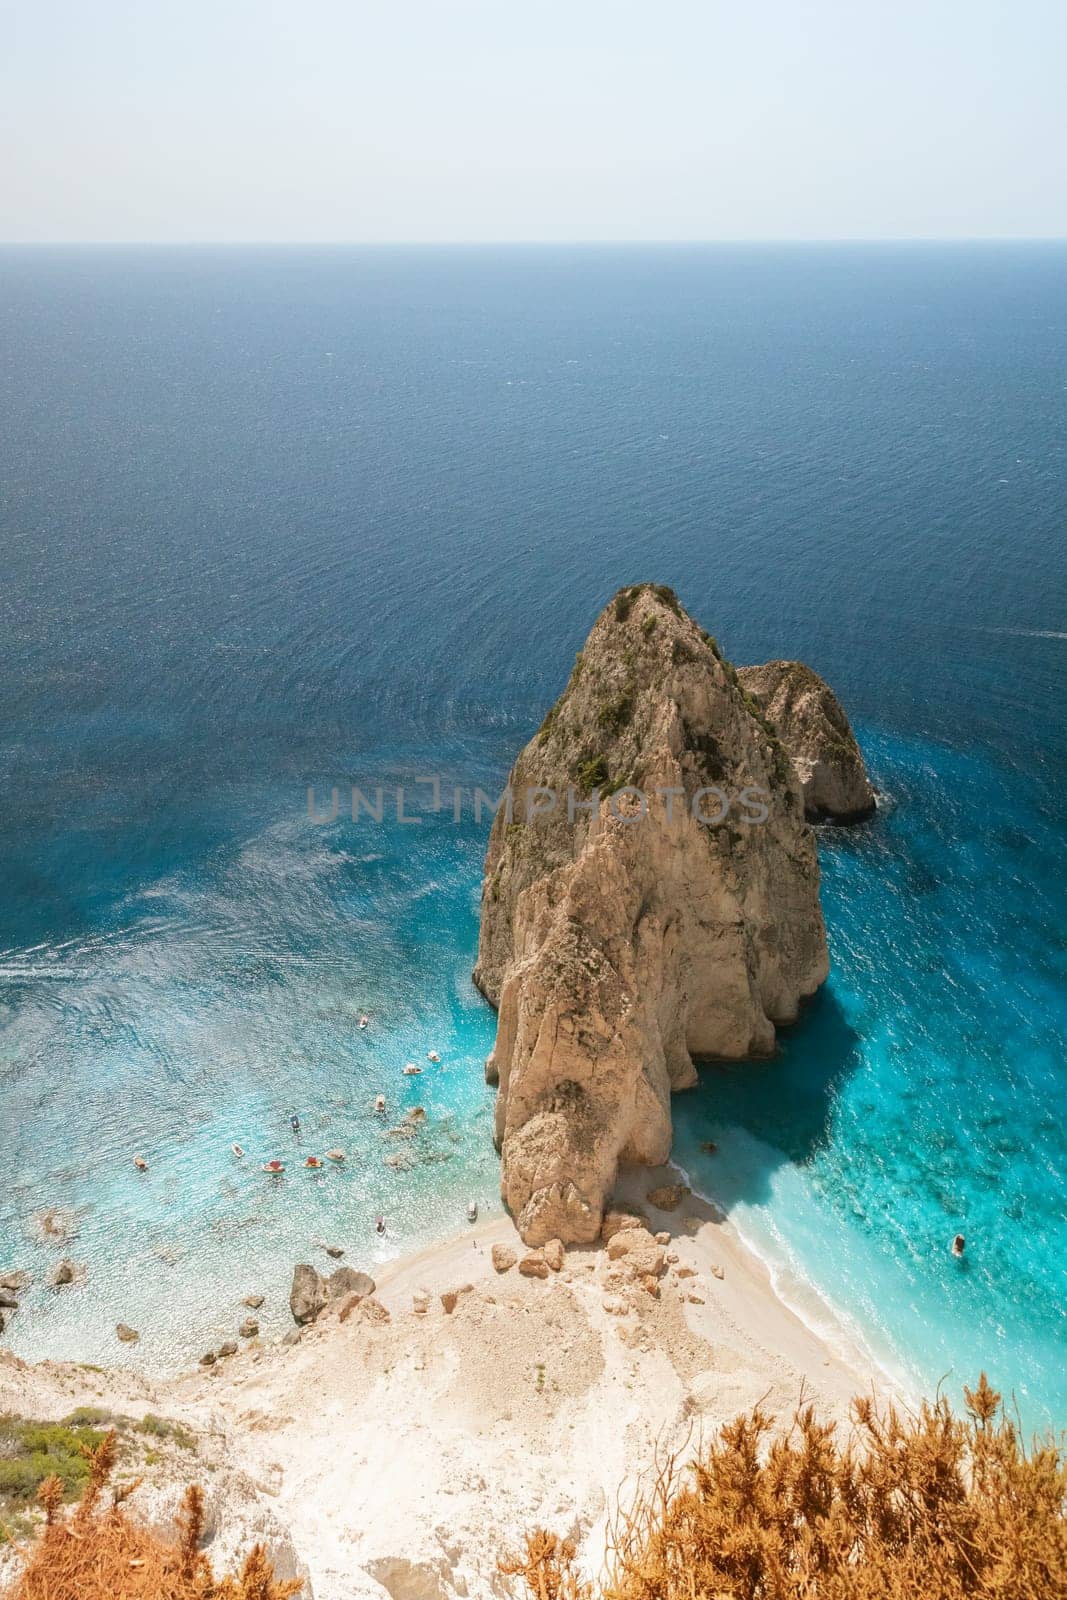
(652, 896)
(308, 1294)
(346, 1280)
(808, 718)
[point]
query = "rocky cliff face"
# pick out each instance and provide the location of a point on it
(808, 718)
(653, 896)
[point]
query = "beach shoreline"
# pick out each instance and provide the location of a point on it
(404, 1442)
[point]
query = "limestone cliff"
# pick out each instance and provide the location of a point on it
(677, 916)
(808, 718)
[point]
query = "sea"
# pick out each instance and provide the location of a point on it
(279, 521)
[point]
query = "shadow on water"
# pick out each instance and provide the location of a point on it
(785, 1104)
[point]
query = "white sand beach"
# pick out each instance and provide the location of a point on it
(393, 1451)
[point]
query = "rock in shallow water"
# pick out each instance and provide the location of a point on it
(808, 718)
(629, 922)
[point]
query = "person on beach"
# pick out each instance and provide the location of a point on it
(959, 1244)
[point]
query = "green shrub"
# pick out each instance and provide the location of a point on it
(591, 774)
(30, 1452)
(617, 712)
(161, 1428)
(663, 592)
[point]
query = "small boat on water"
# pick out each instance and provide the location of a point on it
(237, 1150)
(379, 1102)
(472, 1210)
(432, 1055)
(140, 1163)
(411, 1070)
(364, 1020)
(313, 1161)
(335, 1155)
(274, 1167)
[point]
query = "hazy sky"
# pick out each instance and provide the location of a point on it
(531, 119)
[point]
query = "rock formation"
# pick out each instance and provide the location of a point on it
(311, 1292)
(807, 717)
(308, 1294)
(652, 896)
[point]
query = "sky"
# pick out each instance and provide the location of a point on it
(553, 120)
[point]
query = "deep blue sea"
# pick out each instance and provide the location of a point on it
(278, 518)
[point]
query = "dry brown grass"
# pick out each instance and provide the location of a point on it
(932, 1507)
(98, 1553)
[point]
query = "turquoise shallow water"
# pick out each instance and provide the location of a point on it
(210, 1006)
(279, 518)
(918, 1097)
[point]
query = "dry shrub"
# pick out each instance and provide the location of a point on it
(933, 1507)
(97, 1553)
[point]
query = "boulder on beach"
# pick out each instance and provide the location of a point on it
(347, 1280)
(669, 1196)
(308, 1294)
(504, 1257)
(615, 1221)
(554, 1254)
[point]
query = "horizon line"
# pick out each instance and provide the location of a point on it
(504, 244)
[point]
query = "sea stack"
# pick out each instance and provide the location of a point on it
(808, 718)
(651, 896)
